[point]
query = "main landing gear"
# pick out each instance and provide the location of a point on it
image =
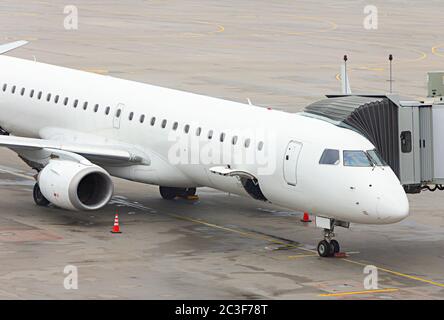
(329, 246)
(169, 193)
(39, 199)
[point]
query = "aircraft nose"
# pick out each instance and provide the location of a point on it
(393, 206)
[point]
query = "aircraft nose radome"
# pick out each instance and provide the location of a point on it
(393, 207)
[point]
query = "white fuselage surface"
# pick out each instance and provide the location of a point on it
(191, 139)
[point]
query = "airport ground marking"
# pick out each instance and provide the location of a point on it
(333, 26)
(435, 50)
(399, 274)
(269, 239)
(340, 294)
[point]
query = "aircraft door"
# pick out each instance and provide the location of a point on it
(118, 115)
(291, 158)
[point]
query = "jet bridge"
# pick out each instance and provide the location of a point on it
(408, 134)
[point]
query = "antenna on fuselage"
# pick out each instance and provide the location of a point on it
(345, 83)
(391, 73)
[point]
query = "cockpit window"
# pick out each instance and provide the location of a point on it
(356, 158)
(329, 156)
(376, 158)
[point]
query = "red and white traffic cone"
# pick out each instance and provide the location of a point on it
(306, 217)
(116, 227)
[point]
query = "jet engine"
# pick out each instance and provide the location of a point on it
(75, 185)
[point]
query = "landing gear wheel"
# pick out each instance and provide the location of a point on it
(168, 193)
(324, 249)
(190, 192)
(39, 199)
(335, 248)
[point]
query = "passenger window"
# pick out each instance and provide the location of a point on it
(356, 158)
(222, 137)
(247, 143)
(330, 156)
(39, 96)
(118, 113)
(76, 102)
(96, 108)
(56, 99)
(5, 86)
(107, 110)
(48, 97)
(131, 115)
(175, 125)
(186, 128)
(13, 89)
(210, 134)
(142, 118)
(153, 121)
(234, 140)
(31, 94)
(164, 123)
(406, 141)
(198, 131)
(85, 105)
(260, 146)
(66, 101)
(23, 91)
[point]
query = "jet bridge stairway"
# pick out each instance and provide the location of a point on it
(407, 134)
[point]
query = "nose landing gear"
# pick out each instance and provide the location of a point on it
(329, 246)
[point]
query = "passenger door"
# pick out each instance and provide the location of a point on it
(291, 158)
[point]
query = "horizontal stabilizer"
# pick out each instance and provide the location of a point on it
(11, 46)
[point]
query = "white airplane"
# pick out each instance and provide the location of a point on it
(77, 129)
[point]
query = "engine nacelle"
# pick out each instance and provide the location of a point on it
(75, 186)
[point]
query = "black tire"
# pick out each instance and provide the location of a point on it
(335, 246)
(190, 192)
(168, 193)
(324, 249)
(39, 199)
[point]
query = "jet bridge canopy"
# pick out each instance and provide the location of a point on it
(375, 117)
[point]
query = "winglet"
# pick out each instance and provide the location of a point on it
(11, 46)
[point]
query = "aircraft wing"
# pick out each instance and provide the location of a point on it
(11, 46)
(95, 153)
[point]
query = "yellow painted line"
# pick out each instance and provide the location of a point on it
(435, 50)
(333, 26)
(303, 256)
(272, 240)
(340, 294)
(314, 252)
(400, 274)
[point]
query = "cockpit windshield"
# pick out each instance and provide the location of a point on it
(356, 158)
(376, 158)
(360, 158)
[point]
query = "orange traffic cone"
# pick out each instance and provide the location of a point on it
(306, 217)
(116, 227)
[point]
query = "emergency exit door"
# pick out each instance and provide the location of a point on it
(291, 158)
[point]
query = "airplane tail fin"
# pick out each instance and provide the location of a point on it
(345, 82)
(11, 46)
